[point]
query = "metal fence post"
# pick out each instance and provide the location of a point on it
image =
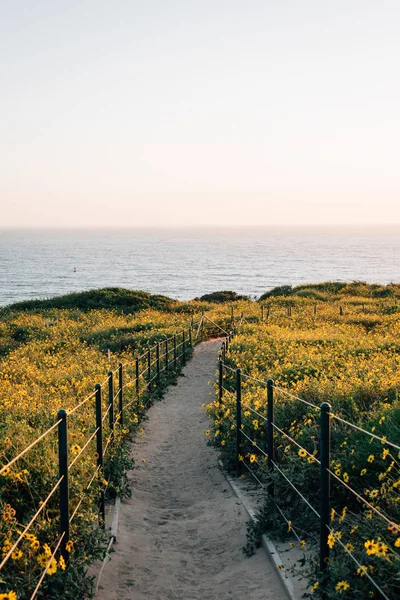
(325, 443)
(64, 486)
(99, 449)
(137, 375)
(270, 431)
(166, 356)
(183, 348)
(111, 402)
(238, 420)
(227, 344)
(220, 380)
(148, 369)
(190, 337)
(175, 356)
(262, 313)
(158, 361)
(120, 397)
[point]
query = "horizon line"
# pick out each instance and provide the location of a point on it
(202, 226)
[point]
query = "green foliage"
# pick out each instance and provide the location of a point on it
(281, 290)
(221, 297)
(119, 299)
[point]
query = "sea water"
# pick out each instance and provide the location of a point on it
(187, 263)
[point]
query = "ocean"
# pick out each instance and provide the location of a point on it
(184, 264)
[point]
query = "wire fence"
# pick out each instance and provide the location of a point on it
(230, 379)
(143, 376)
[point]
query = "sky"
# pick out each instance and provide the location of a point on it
(170, 113)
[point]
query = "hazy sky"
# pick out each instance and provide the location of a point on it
(206, 112)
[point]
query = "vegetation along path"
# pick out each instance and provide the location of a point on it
(181, 534)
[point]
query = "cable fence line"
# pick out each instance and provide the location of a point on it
(111, 405)
(267, 475)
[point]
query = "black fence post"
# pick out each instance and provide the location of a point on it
(158, 361)
(183, 348)
(227, 344)
(190, 337)
(325, 444)
(220, 380)
(270, 431)
(166, 356)
(238, 420)
(99, 449)
(111, 402)
(148, 369)
(262, 313)
(64, 485)
(137, 375)
(120, 396)
(175, 355)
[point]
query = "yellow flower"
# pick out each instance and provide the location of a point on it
(252, 458)
(302, 544)
(62, 564)
(382, 550)
(75, 449)
(361, 571)
(371, 458)
(302, 453)
(397, 543)
(345, 478)
(363, 471)
(314, 587)
(69, 546)
(8, 596)
(17, 554)
(331, 540)
(370, 547)
(42, 560)
(342, 586)
(385, 453)
(52, 568)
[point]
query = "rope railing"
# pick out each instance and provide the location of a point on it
(82, 450)
(293, 441)
(30, 523)
(78, 406)
(32, 445)
(359, 565)
(230, 384)
(254, 444)
(165, 362)
(365, 501)
(51, 558)
(372, 435)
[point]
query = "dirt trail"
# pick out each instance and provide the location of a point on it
(180, 536)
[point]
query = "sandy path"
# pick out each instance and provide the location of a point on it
(181, 534)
